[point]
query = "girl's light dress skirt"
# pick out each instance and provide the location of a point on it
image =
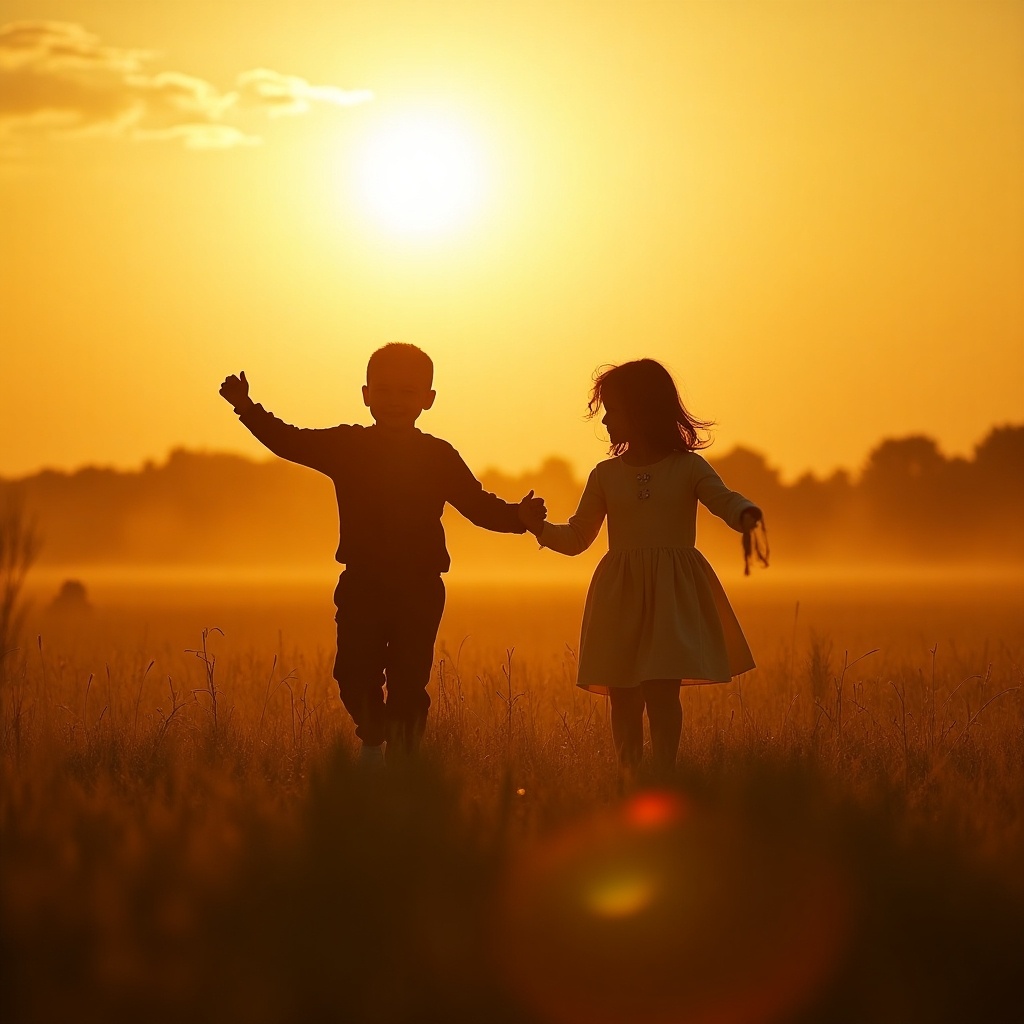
(658, 613)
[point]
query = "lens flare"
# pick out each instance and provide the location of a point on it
(651, 810)
(620, 897)
(661, 912)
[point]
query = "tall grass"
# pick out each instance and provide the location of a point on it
(19, 545)
(184, 835)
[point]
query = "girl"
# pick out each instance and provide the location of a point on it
(656, 615)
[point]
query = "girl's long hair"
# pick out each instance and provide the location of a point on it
(648, 394)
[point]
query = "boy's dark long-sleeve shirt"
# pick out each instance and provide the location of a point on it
(391, 490)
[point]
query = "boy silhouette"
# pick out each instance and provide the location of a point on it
(392, 482)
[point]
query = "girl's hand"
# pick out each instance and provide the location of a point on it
(749, 519)
(755, 544)
(532, 513)
(236, 391)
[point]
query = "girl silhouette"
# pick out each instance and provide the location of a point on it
(656, 615)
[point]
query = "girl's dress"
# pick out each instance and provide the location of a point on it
(655, 608)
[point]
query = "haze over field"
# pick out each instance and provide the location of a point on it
(812, 212)
(198, 512)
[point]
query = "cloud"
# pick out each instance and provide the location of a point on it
(58, 79)
(54, 73)
(288, 94)
(61, 45)
(201, 136)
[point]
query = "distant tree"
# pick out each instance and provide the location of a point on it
(898, 461)
(748, 471)
(922, 504)
(1002, 452)
(998, 490)
(999, 464)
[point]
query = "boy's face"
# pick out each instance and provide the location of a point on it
(396, 395)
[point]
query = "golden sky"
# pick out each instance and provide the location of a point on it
(812, 212)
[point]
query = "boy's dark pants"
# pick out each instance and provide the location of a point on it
(387, 624)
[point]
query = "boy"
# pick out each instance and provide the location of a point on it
(392, 483)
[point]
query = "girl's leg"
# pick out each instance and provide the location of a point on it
(665, 718)
(628, 725)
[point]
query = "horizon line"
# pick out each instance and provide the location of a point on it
(157, 462)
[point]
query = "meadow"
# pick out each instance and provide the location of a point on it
(185, 835)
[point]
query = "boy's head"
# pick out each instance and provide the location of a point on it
(397, 389)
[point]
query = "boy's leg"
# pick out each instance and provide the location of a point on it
(418, 603)
(362, 647)
(628, 725)
(665, 718)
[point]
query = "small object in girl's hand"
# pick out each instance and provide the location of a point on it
(755, 542)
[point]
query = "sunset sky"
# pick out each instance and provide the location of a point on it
(812, 212)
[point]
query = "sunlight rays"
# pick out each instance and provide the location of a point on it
(420, 174)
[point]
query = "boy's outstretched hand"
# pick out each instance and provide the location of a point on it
(236, 391)
(532, 513)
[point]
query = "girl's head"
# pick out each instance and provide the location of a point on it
(642, 406)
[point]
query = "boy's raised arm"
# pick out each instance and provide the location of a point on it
(235, 390)
(306, 447)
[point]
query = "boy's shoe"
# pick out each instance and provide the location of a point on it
(371, 758)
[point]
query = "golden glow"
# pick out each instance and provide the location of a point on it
(421, 174)
(620, 895)
(527, 195)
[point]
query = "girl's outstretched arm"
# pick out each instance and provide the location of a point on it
(578, 534)
(730, 506)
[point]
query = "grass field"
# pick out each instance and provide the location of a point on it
(184, 835)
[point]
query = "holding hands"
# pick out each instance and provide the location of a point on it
(236, 391)
(532, 513)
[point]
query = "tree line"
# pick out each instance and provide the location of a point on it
(909, 503)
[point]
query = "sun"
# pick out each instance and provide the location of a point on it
(421, 175)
